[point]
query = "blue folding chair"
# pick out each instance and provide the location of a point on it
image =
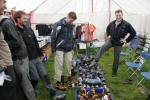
(137, 64)
(146, 76)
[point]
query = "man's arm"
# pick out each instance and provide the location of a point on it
(11, 34)
(55, 32)
(36, 43)
(108, 31)
(132, 33)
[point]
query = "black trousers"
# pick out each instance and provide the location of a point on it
(8, 90)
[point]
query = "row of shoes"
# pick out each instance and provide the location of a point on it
(93, 94)
(91, 81)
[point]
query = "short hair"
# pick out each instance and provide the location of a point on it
(18, 14)
(118, 11)
(72, 15)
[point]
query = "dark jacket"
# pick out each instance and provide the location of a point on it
(120, 31)
(62, 36)
(31, 43)
(14, 40)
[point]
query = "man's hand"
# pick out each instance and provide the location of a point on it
(53, 50)
(123, 40)
(40, 58)
(2, 68)
(108, 38)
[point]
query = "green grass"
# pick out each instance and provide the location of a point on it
(119, 90)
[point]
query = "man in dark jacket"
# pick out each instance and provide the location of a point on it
(34, 53)
(19, 56)
(118, 32)
(8, 89)
(36, 66)
(62, 44)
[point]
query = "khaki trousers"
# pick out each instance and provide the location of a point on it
(60, 57)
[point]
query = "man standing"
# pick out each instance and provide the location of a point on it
(118, 32)
(34, 53)
(62, 44)
(19, 56)
(8, 90)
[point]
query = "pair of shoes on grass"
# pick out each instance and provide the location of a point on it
(61, 86)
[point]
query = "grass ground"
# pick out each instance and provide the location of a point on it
(119, 90)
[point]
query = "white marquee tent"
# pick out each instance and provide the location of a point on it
(97, 12)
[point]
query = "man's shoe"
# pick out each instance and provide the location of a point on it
(70, 82)
(51, 90)
(60, 86)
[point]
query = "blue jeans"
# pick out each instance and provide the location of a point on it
(117, 50)
(37, 70)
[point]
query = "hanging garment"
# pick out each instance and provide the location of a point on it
(43, 29)
(89, 32)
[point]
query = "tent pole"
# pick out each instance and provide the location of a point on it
(92, 7)
(109, 9)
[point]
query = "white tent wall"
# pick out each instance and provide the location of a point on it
(137, 12)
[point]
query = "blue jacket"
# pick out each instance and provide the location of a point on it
(62, 36)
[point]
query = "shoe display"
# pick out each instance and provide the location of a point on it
(91, 82)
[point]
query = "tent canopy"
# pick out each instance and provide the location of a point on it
(97, 12)
(26, 5)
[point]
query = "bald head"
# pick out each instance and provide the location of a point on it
(2, 6)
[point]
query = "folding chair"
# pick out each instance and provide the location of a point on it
(146, 76)
(137, 64)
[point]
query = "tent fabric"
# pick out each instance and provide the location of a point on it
(137, 12)
(26, 5)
